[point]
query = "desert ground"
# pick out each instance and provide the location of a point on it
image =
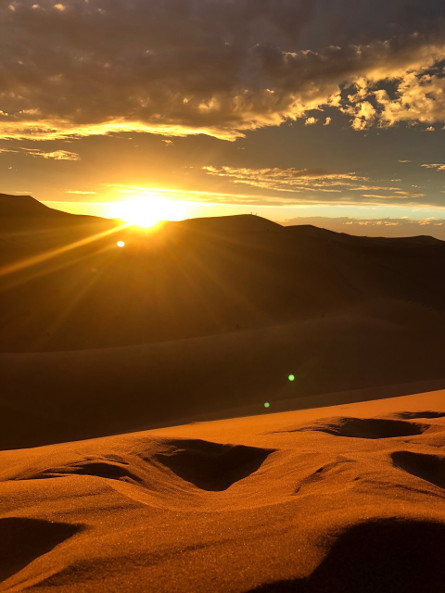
(136, 450)
(348, 498)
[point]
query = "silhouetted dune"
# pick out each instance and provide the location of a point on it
(21, 210)
(194, 278)
(26, 206)
(227, 225)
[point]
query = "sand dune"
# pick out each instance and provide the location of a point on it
(53, 397)
(206, 320)
(262, 503)
(197, 278)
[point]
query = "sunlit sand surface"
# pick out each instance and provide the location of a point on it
(342, 499)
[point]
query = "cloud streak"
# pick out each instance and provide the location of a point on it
(436, 166)
(316, 181)
(308, 192)
(55, 155)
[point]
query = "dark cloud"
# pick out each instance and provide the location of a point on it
(359, 22)
(179, 67)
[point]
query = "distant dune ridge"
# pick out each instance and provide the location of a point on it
(203, 318)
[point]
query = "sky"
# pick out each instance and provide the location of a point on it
(330, 112)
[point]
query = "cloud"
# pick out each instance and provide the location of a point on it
(287, 180)
(315, 181)
(310, 121)
(417, 95)
(200, 66)
(437, 166)
(56, 155)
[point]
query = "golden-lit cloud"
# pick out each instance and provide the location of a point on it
(310, 121)
(436, 166)
(56, 155)
(77, 69)
(416, 96)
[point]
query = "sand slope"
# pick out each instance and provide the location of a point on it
(59, 396)
(342, 499)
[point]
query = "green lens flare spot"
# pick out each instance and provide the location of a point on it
(266, 404)
(291, 377)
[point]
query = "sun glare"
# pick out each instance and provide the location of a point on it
(148, 211)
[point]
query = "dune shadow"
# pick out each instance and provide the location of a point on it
(424, 414)
(366, 428)
(427, 467)
(212, 466)
(24, 540)
(384, 556)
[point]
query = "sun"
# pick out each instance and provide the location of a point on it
(148, 211)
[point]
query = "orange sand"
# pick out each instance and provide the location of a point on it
(348, 498)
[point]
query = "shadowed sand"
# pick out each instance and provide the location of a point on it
(428, 467)
(387, 556)
(346, 499)
(367, 428)
(212, 466)
(23, 540)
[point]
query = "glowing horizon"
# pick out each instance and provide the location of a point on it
(268, 108)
